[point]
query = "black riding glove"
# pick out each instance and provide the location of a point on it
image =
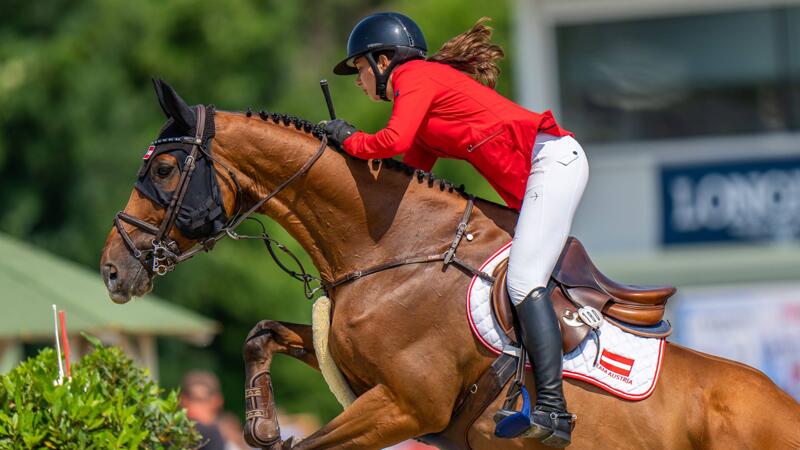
(338, 130)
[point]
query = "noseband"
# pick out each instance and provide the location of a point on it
(164, 251)
(166, 254)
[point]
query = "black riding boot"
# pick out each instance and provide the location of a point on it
(551, 423)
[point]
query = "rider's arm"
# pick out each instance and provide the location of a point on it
(418, 158)
(412, 101)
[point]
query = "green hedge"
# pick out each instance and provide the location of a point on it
(108, 404)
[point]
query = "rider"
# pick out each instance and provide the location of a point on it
(445, 106)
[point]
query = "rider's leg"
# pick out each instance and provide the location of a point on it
(555, 186)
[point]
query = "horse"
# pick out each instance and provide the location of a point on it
(399, 335)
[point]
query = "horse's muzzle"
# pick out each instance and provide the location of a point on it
(114, 283)
(124, 281)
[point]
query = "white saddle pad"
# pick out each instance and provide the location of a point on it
(628, 366)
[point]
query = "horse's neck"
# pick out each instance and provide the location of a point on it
(344, 216)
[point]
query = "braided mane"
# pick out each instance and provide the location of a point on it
(317, 131)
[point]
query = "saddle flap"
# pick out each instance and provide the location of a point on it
(573, 331)
(579, 283)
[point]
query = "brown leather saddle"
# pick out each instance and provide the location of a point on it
(576, 282)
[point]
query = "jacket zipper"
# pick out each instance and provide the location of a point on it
(471, 148)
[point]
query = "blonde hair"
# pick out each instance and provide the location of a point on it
(472, 52)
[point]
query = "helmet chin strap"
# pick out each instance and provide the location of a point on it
(381, 77)
(401, 54)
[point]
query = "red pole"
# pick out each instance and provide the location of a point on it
(65, 340)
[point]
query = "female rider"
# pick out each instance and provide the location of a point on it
(439, 110)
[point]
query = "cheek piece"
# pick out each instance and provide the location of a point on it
(201, 213)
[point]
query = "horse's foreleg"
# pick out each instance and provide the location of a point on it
(264, 340)
(375, 420)
(270, 336)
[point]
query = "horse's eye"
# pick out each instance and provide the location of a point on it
(163, 171)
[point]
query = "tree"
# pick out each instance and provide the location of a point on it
(78, 112)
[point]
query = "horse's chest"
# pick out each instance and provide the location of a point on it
(363, 340)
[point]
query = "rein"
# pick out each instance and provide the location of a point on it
(307, 279)
(166, 254)
(165, 251)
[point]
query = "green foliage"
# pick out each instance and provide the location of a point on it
(78, 111)
(108, 403)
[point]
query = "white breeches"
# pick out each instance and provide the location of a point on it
(555, 186)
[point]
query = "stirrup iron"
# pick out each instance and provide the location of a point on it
(591, 316)
(510, 423)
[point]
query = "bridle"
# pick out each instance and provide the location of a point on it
(165, 253)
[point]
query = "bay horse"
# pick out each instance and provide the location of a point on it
(400, 336)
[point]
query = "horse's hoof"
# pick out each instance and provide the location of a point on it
(255, 346)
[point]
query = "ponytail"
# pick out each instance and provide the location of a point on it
(473, 53)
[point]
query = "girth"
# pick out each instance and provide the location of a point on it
(575, 282)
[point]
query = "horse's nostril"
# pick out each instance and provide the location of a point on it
(111, 272)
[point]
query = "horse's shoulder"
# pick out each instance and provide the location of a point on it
(503, 216)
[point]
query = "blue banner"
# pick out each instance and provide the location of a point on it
(744, 201)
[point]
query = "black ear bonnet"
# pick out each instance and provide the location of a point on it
(202, 213)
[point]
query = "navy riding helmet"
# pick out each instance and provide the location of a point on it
(383, 31)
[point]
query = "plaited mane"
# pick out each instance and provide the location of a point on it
(317, 131)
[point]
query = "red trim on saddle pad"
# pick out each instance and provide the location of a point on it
(618, 393)
(469, 295)
(611, 363)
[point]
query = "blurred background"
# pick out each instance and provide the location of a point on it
(689, 111)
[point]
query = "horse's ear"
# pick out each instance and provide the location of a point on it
(173, 105)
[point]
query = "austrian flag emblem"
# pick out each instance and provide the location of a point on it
(616, 363)
(149, 152)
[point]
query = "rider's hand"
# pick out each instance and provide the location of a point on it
(338, 130)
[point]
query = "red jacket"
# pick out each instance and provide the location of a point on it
(442, 112)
